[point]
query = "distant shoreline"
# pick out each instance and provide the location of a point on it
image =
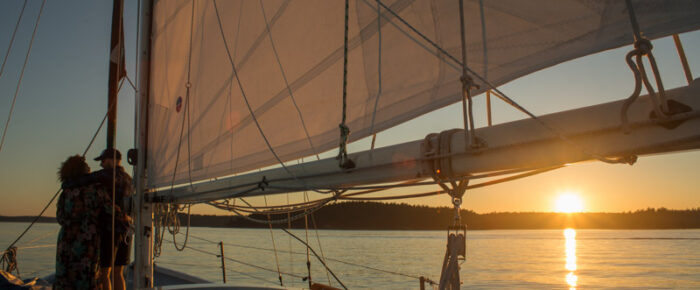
(381, 216)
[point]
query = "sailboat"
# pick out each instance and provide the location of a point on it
(231, 94)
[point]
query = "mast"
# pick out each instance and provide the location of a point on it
(143, 243)
(116, 70)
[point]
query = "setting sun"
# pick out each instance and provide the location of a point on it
(569, 203)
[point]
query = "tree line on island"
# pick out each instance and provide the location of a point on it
(389, 216)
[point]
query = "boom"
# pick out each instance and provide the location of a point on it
(577, 135)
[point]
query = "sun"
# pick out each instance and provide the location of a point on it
(569, 203)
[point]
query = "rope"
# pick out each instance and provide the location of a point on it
(59, 190)
(8, 261)
(421, 35)
(412, 276)
(37, 247)
(286, 82)
(683, 59)
(306, 234)
(245, 98)
(483, 38)
(467, 84)
(274, 247)
(168, 216)
(43, 236)
(379, 75)
(12, 39)
(243, 263)
(317, 257)
(342, 157)
(503, 95)
(289, 239)
(320, 247)
(282, 221)
(187, 231)
(643, 47)
(21, 75)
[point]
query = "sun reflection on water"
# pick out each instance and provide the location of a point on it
(571, 278)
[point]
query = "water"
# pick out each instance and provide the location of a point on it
(495, 259)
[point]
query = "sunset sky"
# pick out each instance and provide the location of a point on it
(63, 98)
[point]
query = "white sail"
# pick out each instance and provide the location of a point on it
(288, 57)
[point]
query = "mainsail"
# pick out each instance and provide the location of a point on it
(240, 85)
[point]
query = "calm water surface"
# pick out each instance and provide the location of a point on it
(495, 259)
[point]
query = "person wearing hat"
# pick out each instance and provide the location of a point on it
(113, 177)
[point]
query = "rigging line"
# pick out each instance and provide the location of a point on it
(43, 236)
(489, 84)
(136, 71)
(379, 76)
(274, 246)
(270, 212)
(467, 84)
(230, 84)
(484, 49)
(423, 36)
(254, 188)
(643, 47)
(683, 59)
(59, 190)
(320, 247)
(483, 184)
(189, 85)
(281, 221)
(35, 219)
(317, 257)
(343, 160)
(300, 253)
(253, 185)
(172, 215)
(275, 211)
(36, 247)
(99, 128)
(395, 197)
(252, 276)
(375, 269)
(374, 188)
(21, 75)
(486, 183)
(187, 230)
(289, 226)
(242, 262)
(286, 82)
(280, 209)
(12, 39)
(131, 83)
(410, 183)
(306, 233)
(240, 86)
(483, 38)
(179, 143)
(541, 122)
(660, 105)
(41, 270)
